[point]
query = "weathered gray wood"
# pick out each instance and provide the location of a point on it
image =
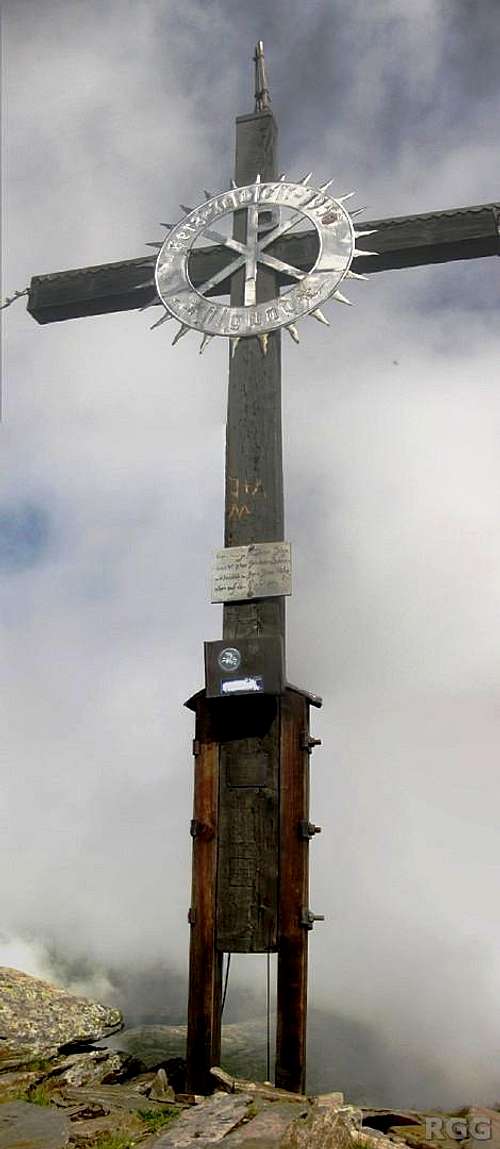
(293, 894)
(407, 241)
(205, 963)
(254, 508)
(248, 826)
(247, 879)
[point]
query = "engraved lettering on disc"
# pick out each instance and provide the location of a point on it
(190, 305)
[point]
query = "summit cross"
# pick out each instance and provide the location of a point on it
(251, 827)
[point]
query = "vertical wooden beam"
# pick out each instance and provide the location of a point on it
(205, 963)
(254, 452)
(249, 810)
(293, 894)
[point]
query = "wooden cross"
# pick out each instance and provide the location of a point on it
(251, 826)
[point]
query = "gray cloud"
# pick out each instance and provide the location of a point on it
(112, 116)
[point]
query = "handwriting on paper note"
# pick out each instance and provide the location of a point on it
(260, 570)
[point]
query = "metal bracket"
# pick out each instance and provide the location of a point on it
(196, 747)
(307, 743)
(191, 916)
(308, 829)
(201, 830)
(307, 918)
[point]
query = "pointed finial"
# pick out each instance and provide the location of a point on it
(262, 97)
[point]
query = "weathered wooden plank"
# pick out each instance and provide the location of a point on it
(293, 894)
(248, 829)
(254, 507)
(247, 884)
(434, 237)
(406, 241)
(205, 963)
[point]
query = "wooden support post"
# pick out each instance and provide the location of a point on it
(205, 963)
(293, 893)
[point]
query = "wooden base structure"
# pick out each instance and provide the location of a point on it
(262, 886)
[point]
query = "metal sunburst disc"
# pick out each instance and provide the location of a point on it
(192, 306)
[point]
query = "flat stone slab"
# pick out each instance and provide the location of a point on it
(114, 1097)
(267, 1128)
(26, 1126)
(204, 1124)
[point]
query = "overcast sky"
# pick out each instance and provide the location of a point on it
(112, 503)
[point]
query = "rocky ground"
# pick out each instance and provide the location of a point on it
(60, 1085)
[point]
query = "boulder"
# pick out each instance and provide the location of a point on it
(243, 1046)
(324, 1127)
(160, 1089)
(94, 1067)
(16, 1082)
(37, 1019)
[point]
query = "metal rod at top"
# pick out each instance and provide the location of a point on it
(262, 97)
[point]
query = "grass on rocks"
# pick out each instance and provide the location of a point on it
(38, 1095)
(153, 1122)
(119, 1141)
(157, 1120)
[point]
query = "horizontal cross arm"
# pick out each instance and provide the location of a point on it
(406, 241)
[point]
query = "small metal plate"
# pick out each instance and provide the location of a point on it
(260, 570)
(259, 669)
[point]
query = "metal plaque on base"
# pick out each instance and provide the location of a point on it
(247, 666)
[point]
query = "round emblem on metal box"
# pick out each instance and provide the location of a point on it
(229, 658)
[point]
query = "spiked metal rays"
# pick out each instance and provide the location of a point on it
(205, 341)
(263, 256)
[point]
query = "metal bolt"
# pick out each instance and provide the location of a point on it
(308, 829)
(307, 918)
(308, 742)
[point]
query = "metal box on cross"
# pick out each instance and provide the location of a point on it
(251, 666)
